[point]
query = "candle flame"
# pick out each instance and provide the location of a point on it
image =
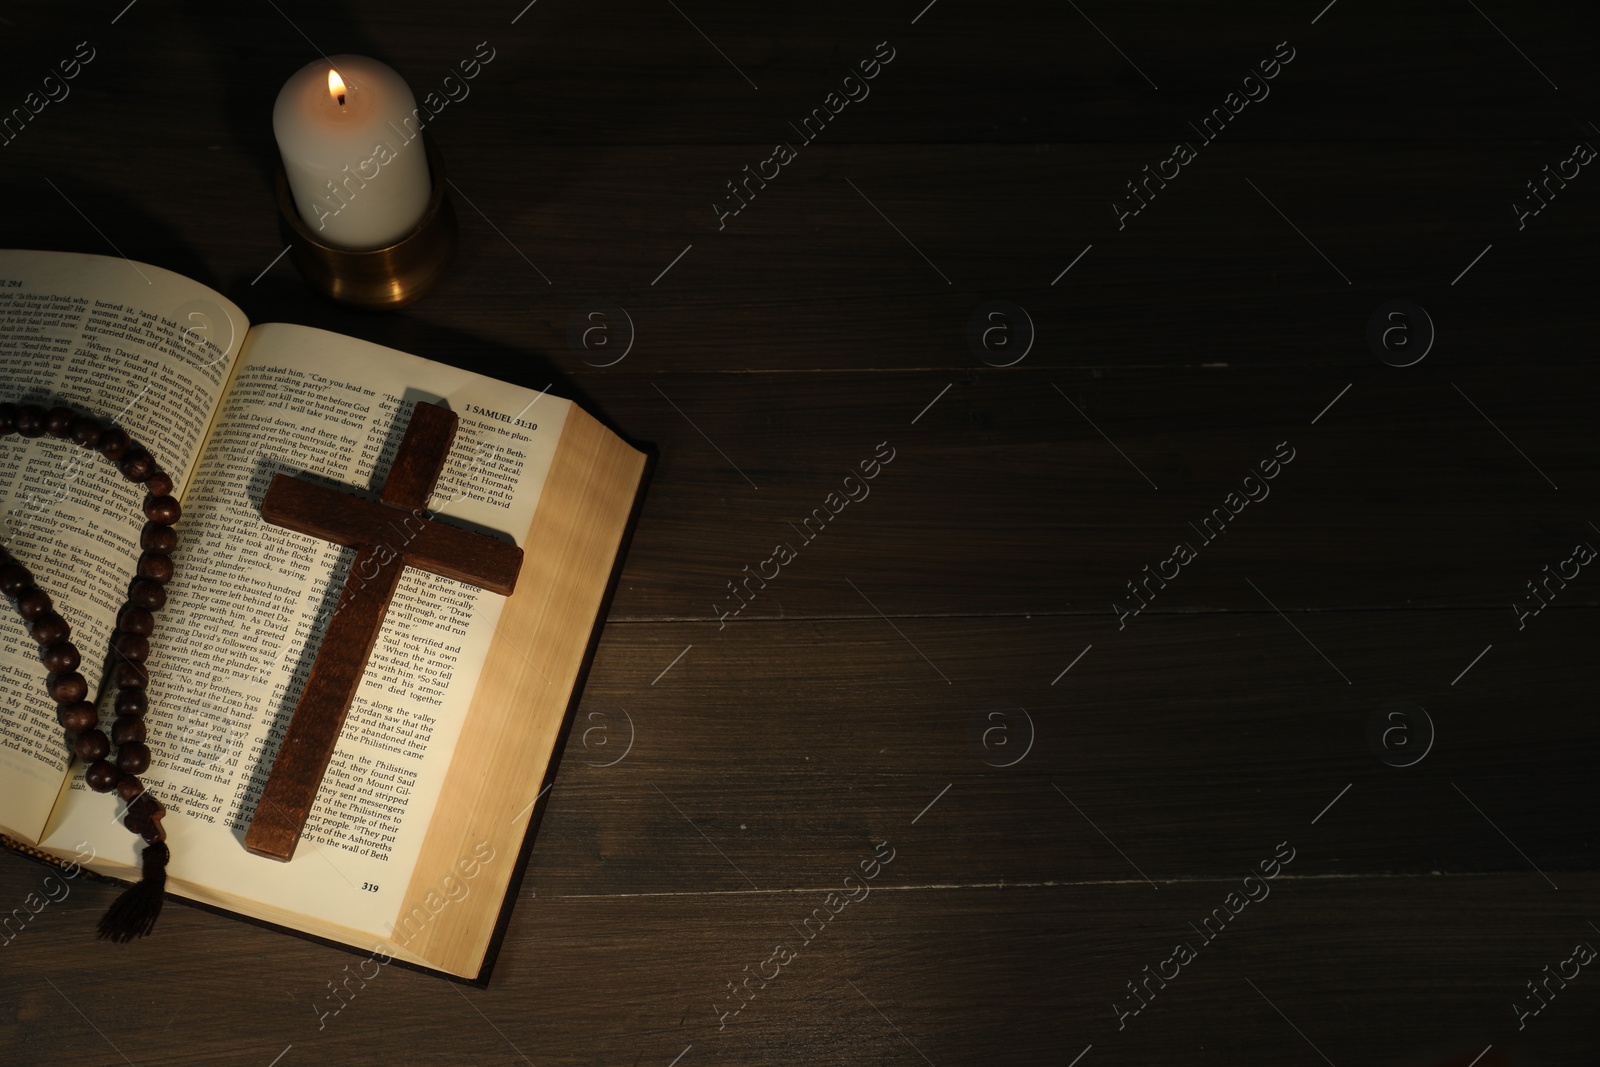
(336, 86)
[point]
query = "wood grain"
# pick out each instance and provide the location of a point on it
(420, 459)
(313, 732)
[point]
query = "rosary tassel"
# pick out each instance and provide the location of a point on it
(134, 913)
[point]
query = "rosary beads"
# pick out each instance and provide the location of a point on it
(135, 912)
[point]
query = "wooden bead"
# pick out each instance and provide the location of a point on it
(58, 421)
(147, 594)
(114, 442)
(86, 432)
(127, 730)
(8, 418)
(132, 647)
(132, 702)
(30, 420)
(14, 578)
(91, 745)
(58, 659)
(133, 758)
(32, 603)
(77, 718)
(101, 776)
(156, 566)
(68, 688)
(157, 538)
(159, 484)
(52, 629)
(144, 816)
(132, 676)
(162, 510)
(130, 788)
(136, 464)
(136, 620)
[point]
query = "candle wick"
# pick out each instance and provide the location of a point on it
(341, 100)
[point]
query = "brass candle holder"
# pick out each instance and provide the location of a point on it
(376, 279)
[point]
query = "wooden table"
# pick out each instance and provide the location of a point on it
(1065, 790)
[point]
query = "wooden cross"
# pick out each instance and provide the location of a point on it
(388, 537)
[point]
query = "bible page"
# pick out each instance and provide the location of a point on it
(130, 344)
(249, 605)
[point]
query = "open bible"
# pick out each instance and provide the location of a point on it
(414, 839)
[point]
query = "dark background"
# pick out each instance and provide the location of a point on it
(917, 647)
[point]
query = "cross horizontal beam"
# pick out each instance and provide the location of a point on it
(414, 535)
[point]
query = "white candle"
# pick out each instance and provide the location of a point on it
(351, 138)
